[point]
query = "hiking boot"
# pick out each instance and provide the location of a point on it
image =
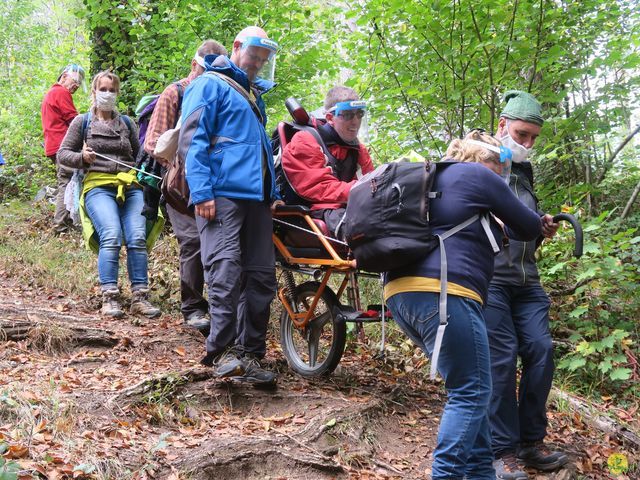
(507, 468)
(111, 304)
(256, 375)
(229, 364)
(140, 304)
(198, 320)
(537, 455)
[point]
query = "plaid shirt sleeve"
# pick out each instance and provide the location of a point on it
(164, 117)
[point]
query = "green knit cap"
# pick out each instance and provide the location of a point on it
(522, 106)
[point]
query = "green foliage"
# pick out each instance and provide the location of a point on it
(144, 48)
(31, 65)
(8, 470)
(598, 313)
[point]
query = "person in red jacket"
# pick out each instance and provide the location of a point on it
(57, 112)
(325, 182)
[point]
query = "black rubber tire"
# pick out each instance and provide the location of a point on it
(331, 334)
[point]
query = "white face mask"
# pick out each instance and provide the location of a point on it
(106, 101)
(519, 152)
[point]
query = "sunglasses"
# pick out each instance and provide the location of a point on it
(351, 114)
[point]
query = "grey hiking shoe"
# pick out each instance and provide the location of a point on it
(111, 303)
(198, 320)
(229, 364)
(507, 468)
(256, 375)
(140, 304)
(537, 455)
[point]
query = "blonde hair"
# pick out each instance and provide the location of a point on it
(462, 151)
(99, 76)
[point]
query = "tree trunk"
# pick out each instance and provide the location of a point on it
(608, 164)
(632, 199)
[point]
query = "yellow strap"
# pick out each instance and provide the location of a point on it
(423, 284)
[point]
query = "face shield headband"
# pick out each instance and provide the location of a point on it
(505, 155)
(350, 105)
(262, 43)
(76, 72)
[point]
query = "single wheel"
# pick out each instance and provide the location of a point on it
(316, 349)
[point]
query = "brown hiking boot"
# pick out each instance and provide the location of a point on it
(140, 304)
(539, 456)
(111, 303)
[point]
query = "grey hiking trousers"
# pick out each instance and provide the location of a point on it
(191, 271)
(239, 262)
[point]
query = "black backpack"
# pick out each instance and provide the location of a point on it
(146, 162)
(386, 223)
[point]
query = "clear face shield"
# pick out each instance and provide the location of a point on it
(506, 156)
(76, 74)
(351, 122)
(258, 58)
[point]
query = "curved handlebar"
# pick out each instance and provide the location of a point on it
(577, 228)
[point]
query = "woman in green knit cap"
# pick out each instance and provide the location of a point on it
(517, 317)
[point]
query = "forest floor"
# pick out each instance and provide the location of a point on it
(90, 397)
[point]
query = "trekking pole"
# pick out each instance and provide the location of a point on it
(577, 228)
(126, 165)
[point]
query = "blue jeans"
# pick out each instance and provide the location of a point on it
(115, 223)
(464, 440)
(518, 325)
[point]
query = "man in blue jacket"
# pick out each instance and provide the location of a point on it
(517, 317)
(230, 172)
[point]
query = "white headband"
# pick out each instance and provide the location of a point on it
(199, 60)
(488, 146)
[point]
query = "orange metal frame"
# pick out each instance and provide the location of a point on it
(335, 264)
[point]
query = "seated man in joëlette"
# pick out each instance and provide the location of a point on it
(325, 182)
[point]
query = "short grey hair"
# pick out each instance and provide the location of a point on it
(338, 94)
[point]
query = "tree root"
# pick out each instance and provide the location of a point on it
(266, 453)
(59, 335)
(168, 383)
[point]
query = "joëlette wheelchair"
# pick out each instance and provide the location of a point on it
(313, 322)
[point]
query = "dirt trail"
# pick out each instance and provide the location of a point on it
(127, 399)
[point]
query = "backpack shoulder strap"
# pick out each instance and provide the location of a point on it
(238, 88)
(316, 135)
(180, 89)
(86, 120)
(127, 122)
(484, 220)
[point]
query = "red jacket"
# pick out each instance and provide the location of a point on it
(57, 112)
(305, 166)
